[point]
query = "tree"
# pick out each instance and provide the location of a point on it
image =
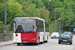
(13, 10)
(1, 27)
(39, 3)
(2, 1)
(29, 10)
(43, 13)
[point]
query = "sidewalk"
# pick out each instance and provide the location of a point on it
(6, 43)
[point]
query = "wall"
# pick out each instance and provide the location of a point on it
(6, 37)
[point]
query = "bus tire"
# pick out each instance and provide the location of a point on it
(18, 43)
(37, 43)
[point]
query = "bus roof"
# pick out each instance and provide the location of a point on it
(29, 18)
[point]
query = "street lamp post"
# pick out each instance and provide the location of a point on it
(48, 9)
(59, 22)
(55, 21)
(5, 17)
(34, 7)
(62, 27)
(62, 24)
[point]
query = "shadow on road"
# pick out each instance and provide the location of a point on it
(64, 43)
(29, 44)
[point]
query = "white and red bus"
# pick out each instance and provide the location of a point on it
(29, 30)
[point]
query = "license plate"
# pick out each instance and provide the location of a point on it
(24, 42)
(64, 40)
(54, 36)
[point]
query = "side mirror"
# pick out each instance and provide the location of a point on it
(12, 23)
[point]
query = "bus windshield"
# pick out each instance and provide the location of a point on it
(25, 25)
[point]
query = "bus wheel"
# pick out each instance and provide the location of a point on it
(18, 43)
(37, 43)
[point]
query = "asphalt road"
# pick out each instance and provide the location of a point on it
(51, 45)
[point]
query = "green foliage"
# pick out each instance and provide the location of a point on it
(14, 10)
(2, 11)
(1, 27)
(39, 3)
(51, 28)
(2, 1)
(43, 13)
(9, 29)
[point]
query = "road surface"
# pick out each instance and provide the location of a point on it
(51, 45)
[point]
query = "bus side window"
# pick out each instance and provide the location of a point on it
(36, 26)
(40, 26)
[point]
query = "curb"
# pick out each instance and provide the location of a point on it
(6, 44)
